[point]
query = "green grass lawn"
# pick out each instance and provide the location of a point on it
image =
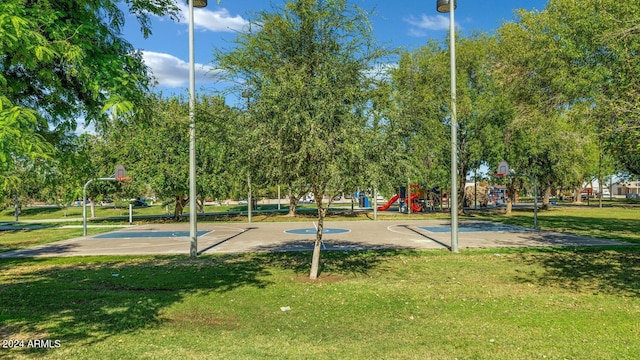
(614, 222)
(561, 303)
(498, 304)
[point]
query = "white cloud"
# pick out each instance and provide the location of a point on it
(171, 71)
(217, 21)
(421, 26)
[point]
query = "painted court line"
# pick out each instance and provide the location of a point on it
(310, 231)
(148, 234)
(475, 228)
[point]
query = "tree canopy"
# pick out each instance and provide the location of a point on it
(308, 69)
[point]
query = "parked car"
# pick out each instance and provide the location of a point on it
(139, 203)
(633, 196)
(308, 198)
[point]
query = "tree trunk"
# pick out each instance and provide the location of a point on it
(294, 200)
(462, 181)
(599, 175)
(293, 203)
(180, 204)
(509, 206)
(93, 208)
(315, 260)
(546, 204)
(577, 194)
(16, 204)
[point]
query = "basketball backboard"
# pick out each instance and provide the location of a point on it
(503, 169)
(120, 173)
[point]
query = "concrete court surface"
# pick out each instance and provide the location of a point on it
(213, 238)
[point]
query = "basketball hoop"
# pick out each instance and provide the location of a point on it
(121, 174)
(503, 169)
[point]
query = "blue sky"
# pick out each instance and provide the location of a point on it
(397, 23)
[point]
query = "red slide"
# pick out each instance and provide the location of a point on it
(389, 203)
(415, 207)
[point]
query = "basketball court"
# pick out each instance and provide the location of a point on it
(163, 239)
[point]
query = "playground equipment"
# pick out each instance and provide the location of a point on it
(420, 199)
(391, 201)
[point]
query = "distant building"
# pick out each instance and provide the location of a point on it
(626, 187)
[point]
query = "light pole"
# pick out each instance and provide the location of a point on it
(193, 229)
(445, 6)
(247, 94)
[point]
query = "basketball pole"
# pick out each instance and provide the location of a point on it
(84, 202)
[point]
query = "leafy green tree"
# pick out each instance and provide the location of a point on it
(21, 142)
(423, 94)
(546, 75)
(155, 151)
(576, 61)
(61, 61)
(63, 174)
(66, 58)
(306, 68)
(615, 37)
(422, 138)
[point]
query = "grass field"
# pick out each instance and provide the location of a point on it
(20, 238)
(34, 213)
(504, 304)
(560, 303)
(615, 223)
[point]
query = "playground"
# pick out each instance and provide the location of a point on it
(159, 239)
(416, 199)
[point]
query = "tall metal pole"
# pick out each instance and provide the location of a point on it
(84, 208)
(449, 6)
(246, 94)
(193, 232)
(250, 200)
(535, 203)
(454, 138)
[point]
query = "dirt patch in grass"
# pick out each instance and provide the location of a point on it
(322, 279)
(196, 318)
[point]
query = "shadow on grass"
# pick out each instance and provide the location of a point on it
(352, 262)
(606, 270)
(86, 300)
(34, 211)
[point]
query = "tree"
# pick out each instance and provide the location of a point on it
(306, 68)
(64, 60)
(21, 142)
(579, 58)
(543, 68)
(423, 139)
(616, 37)
(155, 150)
(482, 111)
